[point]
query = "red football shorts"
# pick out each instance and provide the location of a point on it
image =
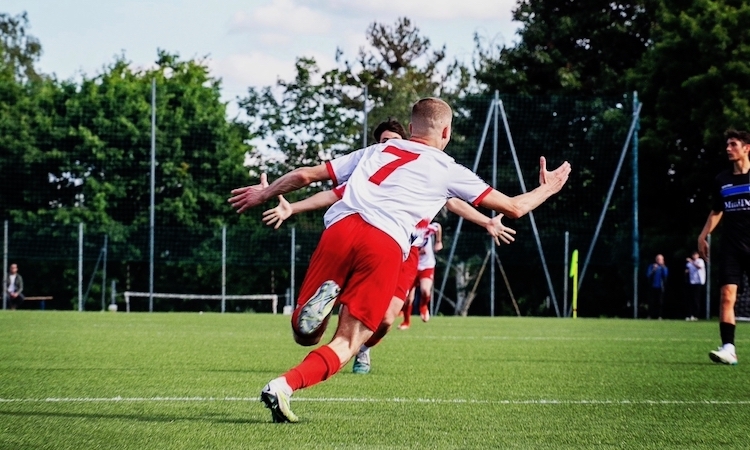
(407, 274)
(425, 273)
(363, 260)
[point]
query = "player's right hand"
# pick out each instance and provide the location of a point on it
(248, 196)
(556, 179)
(498, 231)
(703, 248)
(278, 214)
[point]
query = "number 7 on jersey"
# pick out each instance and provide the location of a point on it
(403, 157)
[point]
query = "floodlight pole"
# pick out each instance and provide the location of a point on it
(534, 228)
(636, 236)
(223, 269)
(461, 219)
(636, 115)
(153, 189)
(494, 186)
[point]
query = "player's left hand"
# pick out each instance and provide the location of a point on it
(248, 196)
(498, 231)
(438, 246)
(278, 214)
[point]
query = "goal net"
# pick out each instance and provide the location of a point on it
(272, 298)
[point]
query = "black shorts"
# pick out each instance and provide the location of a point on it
(732, 265)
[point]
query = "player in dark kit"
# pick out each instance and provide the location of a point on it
(732, 204)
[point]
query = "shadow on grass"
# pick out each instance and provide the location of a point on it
(135, 417)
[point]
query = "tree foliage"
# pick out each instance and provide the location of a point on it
(569, 46)
(695, 83)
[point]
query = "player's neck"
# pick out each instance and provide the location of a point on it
(741, 166)
(429, 142)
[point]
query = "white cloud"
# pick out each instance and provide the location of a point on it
(483, 10)
(282, 16)
(238, 71)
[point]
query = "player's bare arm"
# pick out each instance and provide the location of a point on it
(438, 238)
(250, 196)
(520, 205)
(714, 217)
(284, 210)
(494, 226)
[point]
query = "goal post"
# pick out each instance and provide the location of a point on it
(273, 298)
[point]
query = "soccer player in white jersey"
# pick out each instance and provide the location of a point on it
(431, 241)
(391, 187)
(390, 129)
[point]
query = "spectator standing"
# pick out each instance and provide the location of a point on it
(696, 272)
(14, 288)
(657, 274)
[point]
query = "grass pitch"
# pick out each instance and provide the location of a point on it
(73, 380)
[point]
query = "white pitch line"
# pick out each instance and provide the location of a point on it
(561, 338)
(374, 400)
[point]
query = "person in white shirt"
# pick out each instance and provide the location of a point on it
(14, 288)
(410, 268)
(696, 272)
(391, 187)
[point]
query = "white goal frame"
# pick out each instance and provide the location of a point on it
(273, 298)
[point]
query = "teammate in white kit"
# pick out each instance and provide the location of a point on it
(431, 241)
(391, 187)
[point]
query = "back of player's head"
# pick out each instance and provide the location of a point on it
(740, 135)
(392, 125)
(429, 116)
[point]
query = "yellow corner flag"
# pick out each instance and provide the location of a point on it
(574, 276)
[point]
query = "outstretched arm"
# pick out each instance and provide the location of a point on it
(285, 209)
(493, 226)
(250, 196)
(520, 205)
(713, 219)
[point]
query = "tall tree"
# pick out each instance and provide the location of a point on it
(695, 83)
(319, 114)
(19, 51)
(569, 46)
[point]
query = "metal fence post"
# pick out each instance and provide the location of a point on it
(292, 263)
(80, 266)
(708, 280)
(104, 272)
(153, 189)
(566, 274)
(5, 264)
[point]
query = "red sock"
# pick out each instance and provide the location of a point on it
(378, 335)
(319, 365)
(407, 311)
(424, 302)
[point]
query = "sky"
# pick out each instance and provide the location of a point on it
(246, 43)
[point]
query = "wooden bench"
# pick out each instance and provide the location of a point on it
(38, 299)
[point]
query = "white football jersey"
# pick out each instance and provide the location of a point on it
(427, 249)
(398, 184)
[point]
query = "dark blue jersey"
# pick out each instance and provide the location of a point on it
(732, 197)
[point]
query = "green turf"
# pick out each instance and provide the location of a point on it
(452, 383)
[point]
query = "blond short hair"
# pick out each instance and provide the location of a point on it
(429, 115)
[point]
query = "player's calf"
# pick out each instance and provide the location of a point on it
(309, 320)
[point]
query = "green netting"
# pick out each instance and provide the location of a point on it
(82, 165)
